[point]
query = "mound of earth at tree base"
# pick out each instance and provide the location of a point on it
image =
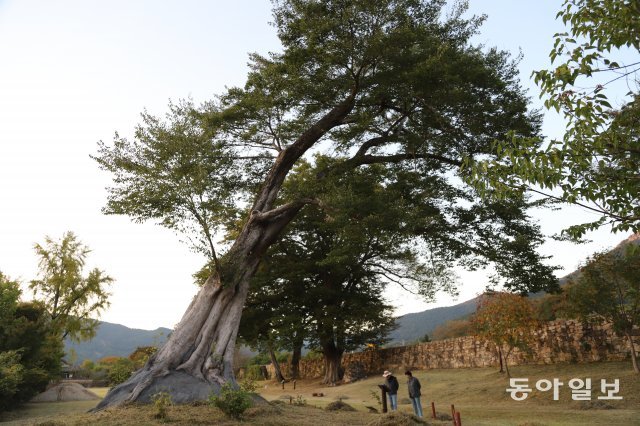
(396, 418)
(65, 392)
(339, 406)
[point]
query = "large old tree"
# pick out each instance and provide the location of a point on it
(390, 82)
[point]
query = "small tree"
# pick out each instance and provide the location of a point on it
(70, 296)
(608, 289)
(232, 401)
(507, 320)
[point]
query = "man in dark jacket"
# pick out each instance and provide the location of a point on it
(392, 389)
(414, 392)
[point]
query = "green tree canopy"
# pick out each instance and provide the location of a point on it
(427, 99)
(608, 289)
(596, 164)
(323, 281)
(70, 297)
(30, 350)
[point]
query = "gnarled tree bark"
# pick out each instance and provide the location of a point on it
(333, 372)
(198, 357)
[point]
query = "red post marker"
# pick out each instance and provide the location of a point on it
(457, 419)
(433, 410)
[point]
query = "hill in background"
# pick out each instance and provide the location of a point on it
(412, 327)
(115, 340)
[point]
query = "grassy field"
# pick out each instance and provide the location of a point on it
(479, 394)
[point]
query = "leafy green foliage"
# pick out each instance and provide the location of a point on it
(11, 377)
(111, 370)
(596, 163)
(231, 401)
(70, 297)
(249, 385)
(30, 349)
(323, 281)
(608, 289)
(375, 394)
(120, 371)
(416, 96)
(178, 173)
(253, 372)
(299, 401)
(312, 355)
(161, 402)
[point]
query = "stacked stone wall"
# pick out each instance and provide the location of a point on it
(561, 341)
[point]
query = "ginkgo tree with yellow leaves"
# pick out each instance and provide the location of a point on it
(72, 298)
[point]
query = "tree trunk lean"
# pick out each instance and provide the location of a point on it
(500, 358)
(332, 364)
(276, 365)
(197, 359)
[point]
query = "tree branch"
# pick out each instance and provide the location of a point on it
(359, 160)
(283, 209)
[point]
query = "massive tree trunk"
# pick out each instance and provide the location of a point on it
(198, 357)
(332, 364)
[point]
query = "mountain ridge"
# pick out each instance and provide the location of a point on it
(113, 339)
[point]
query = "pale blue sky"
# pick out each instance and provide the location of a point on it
(73, 72)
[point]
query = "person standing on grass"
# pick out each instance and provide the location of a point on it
(414, 392)
(392, 389)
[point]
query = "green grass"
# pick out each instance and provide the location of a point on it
(478, 393)
(52, 409)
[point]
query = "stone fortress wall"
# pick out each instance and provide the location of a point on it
(561, 341)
